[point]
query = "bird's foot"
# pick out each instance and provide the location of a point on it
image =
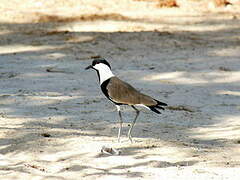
(119, 140)
(130, 138)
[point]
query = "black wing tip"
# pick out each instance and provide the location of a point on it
(158, 106)
(161, 103)
(154, 109)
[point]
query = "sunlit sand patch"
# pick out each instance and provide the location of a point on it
(194, 78)
(228, 132)
(24, 48)
(227, 92)
(228, 51)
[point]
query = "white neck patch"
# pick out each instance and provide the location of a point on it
(104, 72)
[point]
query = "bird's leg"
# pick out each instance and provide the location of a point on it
(134, 121)
(120, 122)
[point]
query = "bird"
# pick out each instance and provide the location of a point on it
(122, 93)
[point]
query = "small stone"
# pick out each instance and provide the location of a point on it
(45, 135)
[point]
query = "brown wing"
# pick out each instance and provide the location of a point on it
(122, 92)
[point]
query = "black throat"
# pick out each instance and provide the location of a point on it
(104, 87)
(98, 75)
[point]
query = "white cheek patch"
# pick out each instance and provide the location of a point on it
(100, 66)
(104, 72)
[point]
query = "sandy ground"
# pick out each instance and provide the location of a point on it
(54, 119)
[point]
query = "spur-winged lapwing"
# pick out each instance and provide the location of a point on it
(122, 93)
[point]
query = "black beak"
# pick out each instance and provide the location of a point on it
(88, 67)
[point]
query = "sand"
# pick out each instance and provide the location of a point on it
(54, 119)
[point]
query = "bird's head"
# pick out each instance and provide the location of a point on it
(99, 64)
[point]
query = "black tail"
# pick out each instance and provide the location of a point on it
(158, 106)
(153, 108)
(160, 103)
